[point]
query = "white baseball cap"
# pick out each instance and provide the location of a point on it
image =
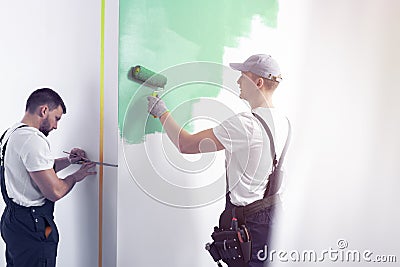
(262, 65)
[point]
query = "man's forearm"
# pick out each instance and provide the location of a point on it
(64, 187)
(187, 143)
(175, 132)
(69, 183)
(61, 163)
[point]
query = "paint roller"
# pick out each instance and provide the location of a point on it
(148, 78)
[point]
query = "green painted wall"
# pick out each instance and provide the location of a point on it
(159, 34)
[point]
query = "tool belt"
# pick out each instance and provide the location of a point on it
(231, 245)
(232, 239)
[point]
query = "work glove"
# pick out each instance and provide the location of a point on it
(156, 106)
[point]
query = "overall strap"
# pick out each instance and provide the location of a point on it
(270, 137)
(7, 200)
(2, 136)
(276, 165)
(4, 146)
(1, 147)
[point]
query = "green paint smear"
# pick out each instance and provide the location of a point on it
(161, 34)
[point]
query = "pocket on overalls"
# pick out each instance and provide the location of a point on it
(50, 230)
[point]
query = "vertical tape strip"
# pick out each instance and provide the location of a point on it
(101, 139)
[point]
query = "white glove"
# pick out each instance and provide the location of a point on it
(156, 106)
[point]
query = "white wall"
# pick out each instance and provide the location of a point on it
(57, 44)
(340, 89)
(343, 170)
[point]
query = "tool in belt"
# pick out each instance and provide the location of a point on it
(231, 241)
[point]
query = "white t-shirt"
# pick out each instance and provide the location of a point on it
(247, 151)
(28, 150)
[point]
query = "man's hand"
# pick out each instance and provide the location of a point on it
(84, 171)
(156, 106)
(76, 155)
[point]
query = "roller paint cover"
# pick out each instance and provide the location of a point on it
(148, 77)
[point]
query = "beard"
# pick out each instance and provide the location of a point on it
(45, 127)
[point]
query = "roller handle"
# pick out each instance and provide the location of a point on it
(155, 95)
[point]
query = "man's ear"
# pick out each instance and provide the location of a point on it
(43, 110)
(260, 82)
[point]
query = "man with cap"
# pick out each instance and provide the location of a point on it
(247, 148)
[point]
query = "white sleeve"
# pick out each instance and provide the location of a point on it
(36, 155)
(236, 132)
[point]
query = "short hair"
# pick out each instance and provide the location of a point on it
(44, 96)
